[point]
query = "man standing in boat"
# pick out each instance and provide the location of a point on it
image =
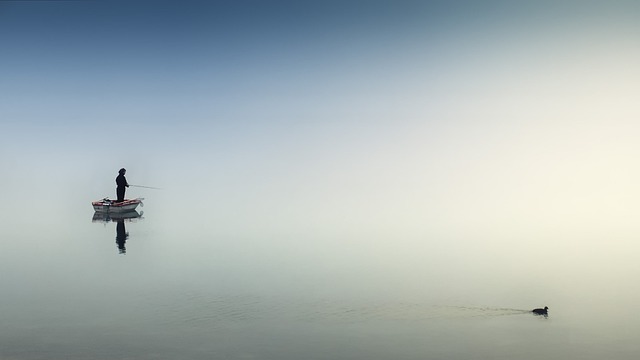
(121, 181)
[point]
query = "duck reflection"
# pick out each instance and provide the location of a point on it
(120, 219)
(121, 236)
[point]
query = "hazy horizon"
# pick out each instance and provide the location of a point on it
(418, 118)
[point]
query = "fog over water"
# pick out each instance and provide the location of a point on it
(389, 181)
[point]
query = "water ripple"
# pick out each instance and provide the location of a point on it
(197, 309)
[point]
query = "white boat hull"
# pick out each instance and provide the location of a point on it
(111, 206)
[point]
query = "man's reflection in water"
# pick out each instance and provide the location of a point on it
(121, 236)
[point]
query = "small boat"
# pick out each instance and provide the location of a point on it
(108, 205)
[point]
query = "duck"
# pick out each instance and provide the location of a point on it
(540, 311)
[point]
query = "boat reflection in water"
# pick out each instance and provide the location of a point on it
(119, 218)
(106, 217)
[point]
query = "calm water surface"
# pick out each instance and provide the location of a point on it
(188, 283)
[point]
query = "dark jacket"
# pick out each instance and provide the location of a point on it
(121, 181)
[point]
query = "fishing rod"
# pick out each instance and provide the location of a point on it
(146, 187)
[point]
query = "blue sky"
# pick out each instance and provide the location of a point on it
(403, 113)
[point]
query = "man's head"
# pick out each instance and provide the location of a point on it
(122, 171)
